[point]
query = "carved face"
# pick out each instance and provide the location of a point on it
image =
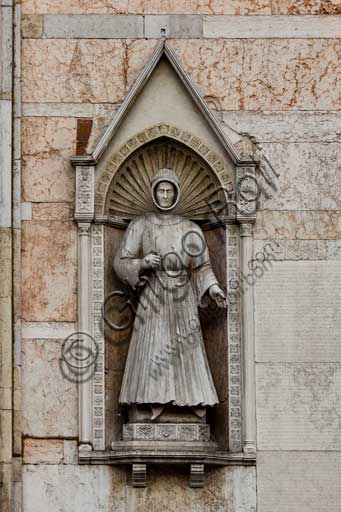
(165, 194)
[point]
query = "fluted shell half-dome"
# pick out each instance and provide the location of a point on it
(129, 194)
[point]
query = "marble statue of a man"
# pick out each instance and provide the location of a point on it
(167, 253)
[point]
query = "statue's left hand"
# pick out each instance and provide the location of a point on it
(217, 294)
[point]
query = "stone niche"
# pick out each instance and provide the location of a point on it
(165, 123)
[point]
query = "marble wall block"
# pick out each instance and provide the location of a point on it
(93, 26)
(310, 177)
(264, 27)
(47, 145)
(5, 436)
(62, 488)
(52, 211)
(49, 400)
(73, 70)
(238, 7)
(148, 6)
(6, 262)
(299, 481)
(230, 489)
(43, 451)
(306, 7)
(304, 225)
(50, 451)
(32, 26)
(272, 74)
(6, 345)
(298, 406)
(297, 305)
(49, 271)
(298, 250)
(288, 126)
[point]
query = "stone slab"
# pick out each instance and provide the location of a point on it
(32, 26)
(309, 177)
(302, 225)
(26, 211)
(297, 305)
(58, 109)
(105, 26)
(6, 490)
(47, 145)
(298, 406)
(297, 250)
(6, 342)
(5, 437)
(43, 451)
(6, 263)
(298, 481)
(306, 7)
(47, 330)
(93, 26)
(5, 162)
(70, 452)
(49, 271)
(240, 27)
(52, 211)
(286, 126)
(76, 79)
(231, 488)
(173, 26)
(6, 49)
(61, 487)
(64, 488)
(237, 7)
(148, 7)
(264, 74)
(49, 400)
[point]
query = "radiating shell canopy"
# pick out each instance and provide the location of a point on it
(129, 193)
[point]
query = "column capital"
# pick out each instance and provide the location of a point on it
(246, 229)
(84, 228)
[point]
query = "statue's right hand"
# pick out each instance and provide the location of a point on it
(152, 260)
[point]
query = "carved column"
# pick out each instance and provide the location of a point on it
(248, 337)
(84, 214)
(84, 326)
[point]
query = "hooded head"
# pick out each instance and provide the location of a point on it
(165, 188)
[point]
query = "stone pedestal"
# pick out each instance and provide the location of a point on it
(181, 432)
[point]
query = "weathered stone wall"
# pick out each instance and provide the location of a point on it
(269, 69)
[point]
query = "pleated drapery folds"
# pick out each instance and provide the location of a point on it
(166, 361)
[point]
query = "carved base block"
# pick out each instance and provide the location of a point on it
(166, 432)
(139, 475)
(197, 476)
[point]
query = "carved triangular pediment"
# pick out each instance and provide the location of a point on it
(164, 53)
(164, 109)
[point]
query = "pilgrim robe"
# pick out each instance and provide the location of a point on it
(166, 360)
